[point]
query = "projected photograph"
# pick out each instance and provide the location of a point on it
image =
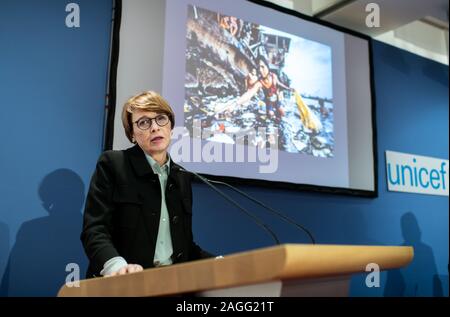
(250, 84)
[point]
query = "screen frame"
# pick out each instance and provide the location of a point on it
(111, 108)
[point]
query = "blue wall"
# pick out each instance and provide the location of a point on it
(52, 82)
(52, 88)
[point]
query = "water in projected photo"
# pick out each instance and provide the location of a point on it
(242, 76)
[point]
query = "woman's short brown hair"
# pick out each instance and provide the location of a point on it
(147, 101)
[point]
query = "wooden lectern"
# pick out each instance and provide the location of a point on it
(284, 270)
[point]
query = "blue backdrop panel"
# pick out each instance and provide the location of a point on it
(52, 88)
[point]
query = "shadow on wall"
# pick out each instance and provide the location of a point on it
(420, 278)
(44, 246)
(4, 250)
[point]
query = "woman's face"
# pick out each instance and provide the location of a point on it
(263, 69)
(154, 140)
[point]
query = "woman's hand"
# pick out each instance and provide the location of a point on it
(130, 268)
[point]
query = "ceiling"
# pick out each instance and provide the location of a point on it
(419, 26)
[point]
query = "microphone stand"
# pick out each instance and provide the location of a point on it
(232, 201)
(284, 217)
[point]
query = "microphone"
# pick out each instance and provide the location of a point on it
(232, 201)
(273, 211)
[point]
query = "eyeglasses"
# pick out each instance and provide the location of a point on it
(145, 123)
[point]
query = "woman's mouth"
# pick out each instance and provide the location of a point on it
(156, 139)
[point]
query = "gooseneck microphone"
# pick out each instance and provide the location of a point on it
(257, 220)
(281, 215)
(232, 201)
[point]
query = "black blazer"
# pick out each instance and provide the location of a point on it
(123, 208)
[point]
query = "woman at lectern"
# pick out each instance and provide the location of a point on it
(138, 210)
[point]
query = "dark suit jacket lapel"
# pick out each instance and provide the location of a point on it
(139, 162)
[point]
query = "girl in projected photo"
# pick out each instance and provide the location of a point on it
(270, 85)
